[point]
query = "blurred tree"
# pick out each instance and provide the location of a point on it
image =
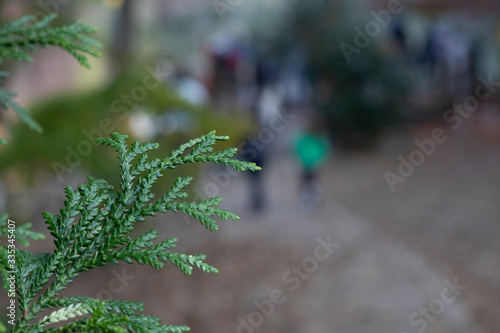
(123, 33)
(359, 97)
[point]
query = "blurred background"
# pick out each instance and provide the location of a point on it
(377, 124)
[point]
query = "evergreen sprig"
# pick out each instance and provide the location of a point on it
(7, 102)
(24, 34)
(20, 234)
(94, 229)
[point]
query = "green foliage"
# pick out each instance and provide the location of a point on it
(359, 95)
(94, 228)
(23, 232)
(89, 109)
(368, 96)
(7, 102)
(23, 35)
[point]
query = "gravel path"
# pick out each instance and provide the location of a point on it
(397, 253)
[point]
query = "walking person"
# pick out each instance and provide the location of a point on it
(312, 149)
(252, 152)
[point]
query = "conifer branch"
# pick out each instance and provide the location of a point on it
(94, 229)
(24, 34)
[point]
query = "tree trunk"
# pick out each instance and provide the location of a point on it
(123, 35)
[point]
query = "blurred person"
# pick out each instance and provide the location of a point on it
(450, 58)
(270, 103)
(225, 57)
(474, 55)
(457, 61)
(398, 32)
(270, 92)
(268, 86)
(428, 58)
(294, 78)
(267, 72)
(312, 149)
(254, 152)
(245, 75)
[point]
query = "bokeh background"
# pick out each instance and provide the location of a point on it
(377, 124)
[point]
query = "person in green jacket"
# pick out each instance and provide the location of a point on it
(312, 149)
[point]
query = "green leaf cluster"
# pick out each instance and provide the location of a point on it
(19, 234)
(24, 34)
(22, 232)
(94, 229)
